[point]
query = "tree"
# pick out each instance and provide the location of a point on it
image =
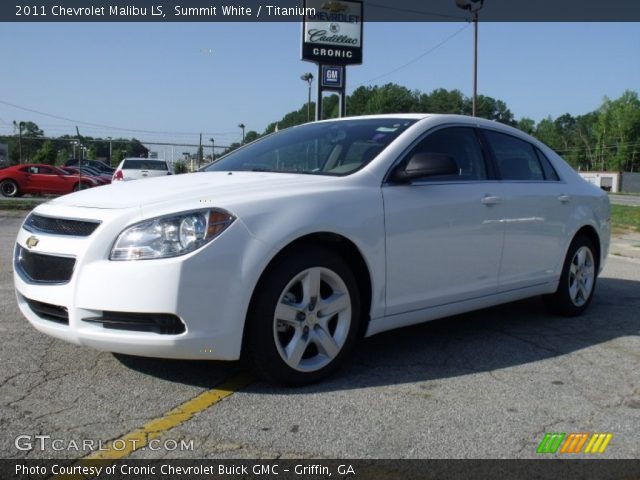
(250, 136)
(491, 109)
(392, 98)
(527, 125)
(443, 101)
(46, 154)
(30, 143)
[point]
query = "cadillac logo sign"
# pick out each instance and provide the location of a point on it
(332, 32)
(32, 241)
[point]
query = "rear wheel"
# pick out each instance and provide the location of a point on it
(578, 279)
(304, 317)
(9, 188)
(81, 186)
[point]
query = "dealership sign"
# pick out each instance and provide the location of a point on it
(332, 77)
(332, 32)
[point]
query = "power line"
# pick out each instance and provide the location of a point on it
(417, 12)
(598, 147)
(109, 127)
(419, 57)
(102, 140)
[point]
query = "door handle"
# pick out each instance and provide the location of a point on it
(564, 198)
(490, 200)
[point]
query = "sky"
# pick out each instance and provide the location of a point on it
(169, 82)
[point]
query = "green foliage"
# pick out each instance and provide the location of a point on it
(46, 154)
(606, 139)
(180, 167)
(250, 136)
(625, 216)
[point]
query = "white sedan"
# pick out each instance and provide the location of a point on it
(290, 248)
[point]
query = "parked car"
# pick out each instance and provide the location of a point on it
(288, 249)
(97, 164)
(39, 179)
(137, 168)
(90, 172)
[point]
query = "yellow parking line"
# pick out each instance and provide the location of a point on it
(155, 428)
(140, 438)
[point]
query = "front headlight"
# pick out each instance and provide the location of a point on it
(171, 235)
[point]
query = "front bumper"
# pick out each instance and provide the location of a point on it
(209, 290)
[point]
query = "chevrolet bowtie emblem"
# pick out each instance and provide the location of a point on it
(32, 241)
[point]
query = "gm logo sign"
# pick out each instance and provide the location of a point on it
(574, 443)
(332, 77)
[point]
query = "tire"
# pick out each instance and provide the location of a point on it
(9, 188)
(80, 186)
(578, 279)
(292, 338)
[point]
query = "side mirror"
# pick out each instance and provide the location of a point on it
(425, 164)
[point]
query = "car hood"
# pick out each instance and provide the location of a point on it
(216, 188)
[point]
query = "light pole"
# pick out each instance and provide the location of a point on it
(213, 146)
(109, 138)
(242, 127)
(308, 77)
(20, 125)
(474, 7)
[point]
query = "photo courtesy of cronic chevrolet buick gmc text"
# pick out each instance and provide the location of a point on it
(288, 249)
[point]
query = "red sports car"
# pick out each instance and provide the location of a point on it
(34, 178)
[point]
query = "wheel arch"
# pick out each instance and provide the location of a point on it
(348, 252)
(591, 233)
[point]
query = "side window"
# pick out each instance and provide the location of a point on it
(516, 159)
(45, 171)
(549, 172)
(461, 144)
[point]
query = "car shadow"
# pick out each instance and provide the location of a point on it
(509, 335)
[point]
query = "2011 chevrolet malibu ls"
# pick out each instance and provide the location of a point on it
(290, 248)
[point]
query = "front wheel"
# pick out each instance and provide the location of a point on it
(9, 188)
(304, 317)
(578, 279)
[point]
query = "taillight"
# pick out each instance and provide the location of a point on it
(118, 176)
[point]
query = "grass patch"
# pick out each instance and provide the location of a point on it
(25, 204)
(624, 216)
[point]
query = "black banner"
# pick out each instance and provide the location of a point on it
(542, 469)
(292, 10)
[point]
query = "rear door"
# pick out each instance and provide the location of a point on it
(537, 210)
(443, 234)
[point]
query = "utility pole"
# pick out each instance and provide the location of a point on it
(213, 147)
(474, 7)
(80, 160)
(110, 161)
(475, 64)
(20, 138)
(200, 152)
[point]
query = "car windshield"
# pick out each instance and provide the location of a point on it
(326, 148)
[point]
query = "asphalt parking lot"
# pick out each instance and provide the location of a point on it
(488, 384)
